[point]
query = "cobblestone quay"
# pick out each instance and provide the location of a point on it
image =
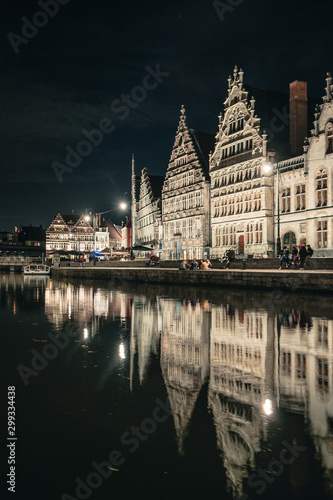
(308, 281)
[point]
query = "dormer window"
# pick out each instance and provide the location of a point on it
(329, 138)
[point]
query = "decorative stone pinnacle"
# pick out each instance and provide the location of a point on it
(182, 114)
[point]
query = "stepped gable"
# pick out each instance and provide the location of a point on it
(153, 185)
(238, 138)
(323, 117)
(64, 220)
(190, 149)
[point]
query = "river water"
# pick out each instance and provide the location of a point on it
(137, 392)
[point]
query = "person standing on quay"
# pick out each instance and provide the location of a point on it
(302, 255)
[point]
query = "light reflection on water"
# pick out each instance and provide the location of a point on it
(261, 363)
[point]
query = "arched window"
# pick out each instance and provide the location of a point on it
(321, 188)
(329, 138)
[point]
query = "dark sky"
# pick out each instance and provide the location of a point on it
(68, 74)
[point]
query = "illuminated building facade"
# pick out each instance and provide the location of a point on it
(70, 233)
(186, 195)
(241, 195)
(149, 213)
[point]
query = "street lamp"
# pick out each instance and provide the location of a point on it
(267, 168)
(123, 206)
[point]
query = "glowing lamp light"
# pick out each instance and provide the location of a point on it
(268, 407)
(267, 168)
(122, 354)
(123, 206)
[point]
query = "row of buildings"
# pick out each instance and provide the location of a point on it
(251, 187)
(82, 234)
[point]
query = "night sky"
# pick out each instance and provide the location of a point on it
(64, 77)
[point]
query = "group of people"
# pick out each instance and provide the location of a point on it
(204, 265)
(297, 258)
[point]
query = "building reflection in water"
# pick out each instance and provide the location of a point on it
(241, 386)
(184, 358)
(20, 293)
(256, 363)
(85, 307)
(305, 380)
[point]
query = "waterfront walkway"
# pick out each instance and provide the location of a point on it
(316, 281)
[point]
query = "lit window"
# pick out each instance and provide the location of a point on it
(321, 188)
(301, 197)
(322, 234)
(285, 198)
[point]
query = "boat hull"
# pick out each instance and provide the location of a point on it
(36, 270)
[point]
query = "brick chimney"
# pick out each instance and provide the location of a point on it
(298, 115)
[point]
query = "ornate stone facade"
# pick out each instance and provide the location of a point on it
(70, 233)
(305, 186)
(186, 194)
(241, 194)
(149, 210)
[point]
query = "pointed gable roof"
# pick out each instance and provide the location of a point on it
(114, 233)
(69, 221)
(154, 184)
(323, 116)
(238, 126)
(191, 149)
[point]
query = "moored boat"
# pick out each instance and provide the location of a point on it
(36, 269)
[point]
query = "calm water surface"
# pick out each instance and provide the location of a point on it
(127, 392)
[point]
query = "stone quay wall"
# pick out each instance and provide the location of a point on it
(300, 281)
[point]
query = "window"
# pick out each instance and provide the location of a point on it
(285, 198)
(184, 228)
(224, 237)
(218, 237)
(300, 366)
(329, 138)
(224, 207)
(239, 208)
(198, 227)
(322, 376)
(258, 232)
(322, 334)
(232, 236)
(286, 364)
(190, 228)
(257, 201)
(216, 208)
(231, 203)
(321, 188)
(300, 197)
(322, 234)
(249, 233)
